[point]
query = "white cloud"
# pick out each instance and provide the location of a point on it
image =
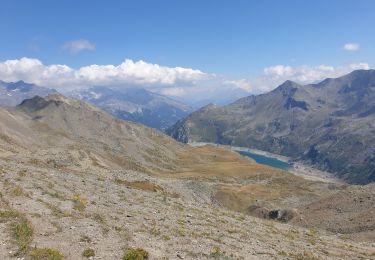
(352, 46)
(275, 75)
(128, 73)
(174, 92)
(184, 83)
(305, 74)
(244, 84)
(77, 46)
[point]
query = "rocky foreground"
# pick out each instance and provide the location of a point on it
(110, 212)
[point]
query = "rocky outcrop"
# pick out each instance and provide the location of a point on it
(283, 215)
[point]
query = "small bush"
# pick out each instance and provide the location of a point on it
(135, 254)
(88, 252)
(22, 173)
(85, 238)
(45, 254)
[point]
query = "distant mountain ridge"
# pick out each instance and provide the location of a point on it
(330, 124)
(136, 105)
(132, 104)
(13, 93)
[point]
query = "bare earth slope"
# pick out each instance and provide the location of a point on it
(350, 211)
(73, 178)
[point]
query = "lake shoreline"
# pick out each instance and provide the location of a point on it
(246, 149)
(297, 168)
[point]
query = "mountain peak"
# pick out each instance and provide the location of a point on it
(20, 82)
(209, 107)
(289, 83)
(13, 93)
(288, 88)
(363, 72)
(60, 98)
(36, 103)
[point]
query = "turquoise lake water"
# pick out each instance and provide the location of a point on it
(262, 159)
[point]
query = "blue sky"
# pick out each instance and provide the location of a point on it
(237, 39)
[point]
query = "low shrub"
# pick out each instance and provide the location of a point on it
(136, 254)
(88, 252)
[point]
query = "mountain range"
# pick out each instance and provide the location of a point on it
(132, 104)
(13, 93)
(330, 124)
(136, 105)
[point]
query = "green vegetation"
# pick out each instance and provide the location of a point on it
(45, 254)
(8, 215)
(20, 229)
(22, 233)
(136, 254)
(88, 252)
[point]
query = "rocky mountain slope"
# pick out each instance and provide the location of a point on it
(349, 211)
(136, 105)
(76, 182)
(13, 93)
(330, 124)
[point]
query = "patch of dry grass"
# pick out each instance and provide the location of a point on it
(79, 203)
(304, 256)
(141, 185)
(45, 254)
(17, 192)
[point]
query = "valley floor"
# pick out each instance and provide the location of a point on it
(298, 168)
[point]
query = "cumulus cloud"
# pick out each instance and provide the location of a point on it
(352, 46)
(306, 74)
(275, 75)
(127, 73)
(174, 91)
(183, 83)
(77, 46)
(243, 84)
